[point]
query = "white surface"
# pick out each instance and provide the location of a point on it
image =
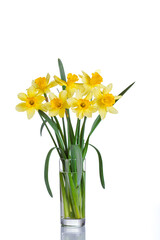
(122, 39)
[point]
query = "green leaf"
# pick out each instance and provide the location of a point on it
(64, 132)
(95, 124)
(46, 168)
(82, 133)
(98, 120)
(76, 138)
(125, 90)
(100, 166)
(61, 69)
(70, 128)
(54, 126)
(42, 126)
(76, 154)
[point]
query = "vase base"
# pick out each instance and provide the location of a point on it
(73, 222)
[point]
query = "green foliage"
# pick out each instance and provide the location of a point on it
(71, 145)
(100, 166)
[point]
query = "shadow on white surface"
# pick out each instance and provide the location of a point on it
(70, 233)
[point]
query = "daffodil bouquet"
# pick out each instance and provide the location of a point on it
(84, 95)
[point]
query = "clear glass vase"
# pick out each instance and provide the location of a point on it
(72, 194)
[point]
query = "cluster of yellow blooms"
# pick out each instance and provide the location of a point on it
(83, 98)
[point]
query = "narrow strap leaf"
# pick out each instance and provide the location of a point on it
(76, 154)
(64, 132)
(76, 138)
(42, 126)
(100, 166)
(70, 128)
(46, 168)
(98, 120)
(95, 124)
(59, 127)
(125, 90)
(82, 133)
(61, 69)
(45, 124)
(54, 126)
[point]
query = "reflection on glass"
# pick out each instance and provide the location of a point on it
(72, 233)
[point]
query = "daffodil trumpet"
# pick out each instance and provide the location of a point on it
(83, 95)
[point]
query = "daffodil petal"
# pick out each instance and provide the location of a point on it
(54, 112)
(52, 96)
(86, 75)
(34, 84)
(108, 88)
(88, 113)
(89, 96)
(72, 102)
(97, 92)
(112, 110)
(79, 94)
(117, 97)
(102, 112)
(52, 84)
(60, 81)
(40, 99)
(31, 91)
(47, 78)
(30, 112)
(22, 96)
(21, 107)
(63, 95)
(62, 112)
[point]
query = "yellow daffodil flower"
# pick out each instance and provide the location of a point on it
(105, 101)
(71, 83)
(91, 83)
(57, 105)
(31, 101)
(42, 84)
(82, 106)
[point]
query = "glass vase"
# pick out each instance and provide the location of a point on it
(72, 193)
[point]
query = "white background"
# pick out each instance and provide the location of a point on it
(122, 38)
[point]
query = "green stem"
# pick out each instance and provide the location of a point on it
(76, 140)
(82, 133)
(59, 127)
(65, 202)
(74, 196)
(64, 132)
